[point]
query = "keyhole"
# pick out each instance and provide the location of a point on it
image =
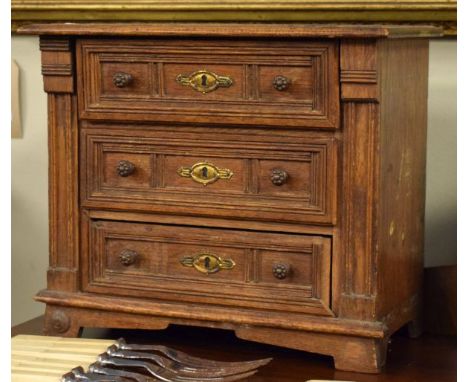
(203, 80)
(204, 172)
(207, 263)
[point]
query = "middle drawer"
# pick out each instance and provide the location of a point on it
(254, 177)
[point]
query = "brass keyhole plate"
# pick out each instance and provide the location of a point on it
(205, 173)
(207, 263)
(204, 81)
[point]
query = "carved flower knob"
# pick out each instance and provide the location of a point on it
(278, 177)
(281, 271)
(125, 168)
(128, 257)
(122, 79)
(281, 83)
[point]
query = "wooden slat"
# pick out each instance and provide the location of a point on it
(61, 340)
(46, 359)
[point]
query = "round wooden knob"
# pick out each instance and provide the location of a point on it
(125, 168)
(281, 83)
(279, 177)
(122, 79)
(128, 257)
(281, 271)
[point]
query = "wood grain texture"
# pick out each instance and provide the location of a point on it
(63, 193)
(158, 272)
(311, 100)
(249, 30)
(402, 146)
(358, 262)
(123, 213)
(349, 353)
(358, 70)
(348, 131)
(308, 196)
(384, 173)
(57, 56)
(204, 315)
(46, 359)
(357, 273)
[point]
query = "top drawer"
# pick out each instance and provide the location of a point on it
(285, 84)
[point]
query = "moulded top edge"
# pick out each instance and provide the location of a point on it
(240, 30)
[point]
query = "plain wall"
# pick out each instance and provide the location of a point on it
(29, 184)
(29, 173)
(441, 168)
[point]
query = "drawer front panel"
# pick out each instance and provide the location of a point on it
(140, 86)
(263, 83)
(272, 271)
(205, 175)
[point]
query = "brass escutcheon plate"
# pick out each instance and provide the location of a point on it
(205, 173)
(204, 81)
(207, 263)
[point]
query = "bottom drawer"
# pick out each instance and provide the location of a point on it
(218, 266)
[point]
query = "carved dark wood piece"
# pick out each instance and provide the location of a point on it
(281, 83)
(343, 206)
(281, 271)
(122, 79)
(125, 168)
(278, 177)
(59, 322)
(128, 257)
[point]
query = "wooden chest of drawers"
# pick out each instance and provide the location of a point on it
(267, 179)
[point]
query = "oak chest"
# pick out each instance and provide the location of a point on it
(267, 179)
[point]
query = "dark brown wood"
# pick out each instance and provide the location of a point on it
(128, 257)
(157, 270)
(281, 271)
(291, 214)
(200, 221)
(428, 359)
(402, 173)
(384, 146)
(251, 30)
(59, 322)
(212, 315)
(357, 274)
(279, 176)
(349, 353)
(125, 168)
(154, 94)
(308, 196)
(63, 163)
(58, 62)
